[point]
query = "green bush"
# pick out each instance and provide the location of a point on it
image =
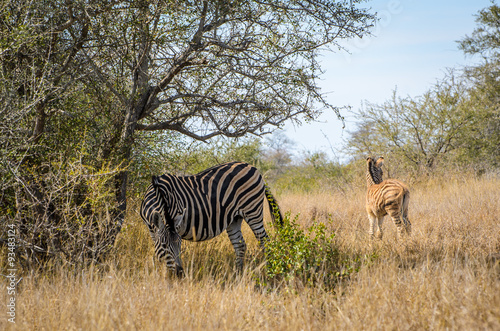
(307, 256)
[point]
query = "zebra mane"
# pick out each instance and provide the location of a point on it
(374, 174)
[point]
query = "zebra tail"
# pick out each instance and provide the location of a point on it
(404, 207)
(274, 208)
(405, 201)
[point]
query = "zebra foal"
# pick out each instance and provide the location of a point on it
(202, 206)
(385, 197)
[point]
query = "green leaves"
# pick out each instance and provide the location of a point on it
(309, 256)
(485, 39)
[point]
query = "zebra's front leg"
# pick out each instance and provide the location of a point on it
(380, 222)
(373, 222)
(239, 245)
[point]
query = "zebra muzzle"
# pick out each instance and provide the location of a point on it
(179, 271)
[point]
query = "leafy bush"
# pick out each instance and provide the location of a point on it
(308, 256)
(64, 215)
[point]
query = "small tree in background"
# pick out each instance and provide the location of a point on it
(422, 132)
(485, 41)
(456, 122)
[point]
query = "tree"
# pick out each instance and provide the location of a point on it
(51, 188)
(423, 131)
(485, 41)
(278, 154)
(94, 74)
(456, 120)
(209, 68)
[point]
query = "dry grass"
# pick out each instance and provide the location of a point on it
(438, 279)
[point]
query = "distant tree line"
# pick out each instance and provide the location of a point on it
(456, 123)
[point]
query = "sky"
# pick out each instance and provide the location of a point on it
(413, 44)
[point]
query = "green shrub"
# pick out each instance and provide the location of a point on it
(306, 256)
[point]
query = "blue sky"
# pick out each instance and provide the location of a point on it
(413, 44)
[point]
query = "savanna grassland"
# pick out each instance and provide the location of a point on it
(438, 279)
(96, 97)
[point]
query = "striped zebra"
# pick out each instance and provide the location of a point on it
(202, 206)
(390, 196)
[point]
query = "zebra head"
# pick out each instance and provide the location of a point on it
(167, 241)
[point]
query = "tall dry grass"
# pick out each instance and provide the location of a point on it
(438, 279)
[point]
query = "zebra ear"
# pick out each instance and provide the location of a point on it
(157, 221)
(380, 162)
(154, 181)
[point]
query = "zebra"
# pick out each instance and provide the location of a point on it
(202, 206)
(390, 196)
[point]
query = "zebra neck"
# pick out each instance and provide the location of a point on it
(373, 175)
(369, 180)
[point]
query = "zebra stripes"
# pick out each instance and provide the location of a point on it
(390, 196)
(202, 206)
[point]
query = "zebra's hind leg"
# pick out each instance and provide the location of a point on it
(236, 238)
(400, 226)
(257, 227)
(398, 219)
(407, 223)
(406, 220)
